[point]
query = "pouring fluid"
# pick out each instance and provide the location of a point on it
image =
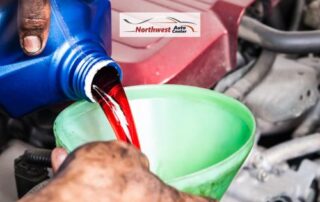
(109, 93)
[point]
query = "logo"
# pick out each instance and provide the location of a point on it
(159, 24)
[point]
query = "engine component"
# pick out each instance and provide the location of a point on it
(297, 15)
(28, 175)
(192, 61)
(4, 137)
(288, 186)
(8, 190)
(310, 123)
(35, 128)
(231, 79)
(311, 61)
(243, 86)
(312, 17)
(31, 169)
(272, 179)
(286, 93)
(40, 157)
(280, 89)
(292, 149)
(298, 42)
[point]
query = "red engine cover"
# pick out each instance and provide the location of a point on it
(198, 61)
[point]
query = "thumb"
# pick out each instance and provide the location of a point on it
(33, 20)
(58, 156)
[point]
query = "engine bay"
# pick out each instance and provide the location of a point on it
(264, 53)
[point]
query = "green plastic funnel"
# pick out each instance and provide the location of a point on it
(196, 139)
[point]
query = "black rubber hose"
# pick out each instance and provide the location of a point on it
(297, 14)
(40, 156)
(260, 69)
(298, 42)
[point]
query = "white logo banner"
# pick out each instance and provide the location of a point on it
(160, 24)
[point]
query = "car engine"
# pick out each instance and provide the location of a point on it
(264, 53)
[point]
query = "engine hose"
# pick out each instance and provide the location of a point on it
(243, 86)
(39, 156)
(297, 15)
(232, 78)
(294, 42)
(292, 149)
(309, 124)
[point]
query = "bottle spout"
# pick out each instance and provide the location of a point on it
(79, 69)
(93, 72)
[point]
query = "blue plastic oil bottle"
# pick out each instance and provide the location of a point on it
(78, 46)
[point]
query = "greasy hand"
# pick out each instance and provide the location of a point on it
(108, 172)
(33, 23)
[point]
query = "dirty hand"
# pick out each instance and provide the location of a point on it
(33, 22)
(108, 172)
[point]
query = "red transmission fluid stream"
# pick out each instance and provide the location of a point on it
(109, 93)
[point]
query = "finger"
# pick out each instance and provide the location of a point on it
(58, 156)
(34, 20)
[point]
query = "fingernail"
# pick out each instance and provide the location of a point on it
(31, 44)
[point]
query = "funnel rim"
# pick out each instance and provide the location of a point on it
(173, 87)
